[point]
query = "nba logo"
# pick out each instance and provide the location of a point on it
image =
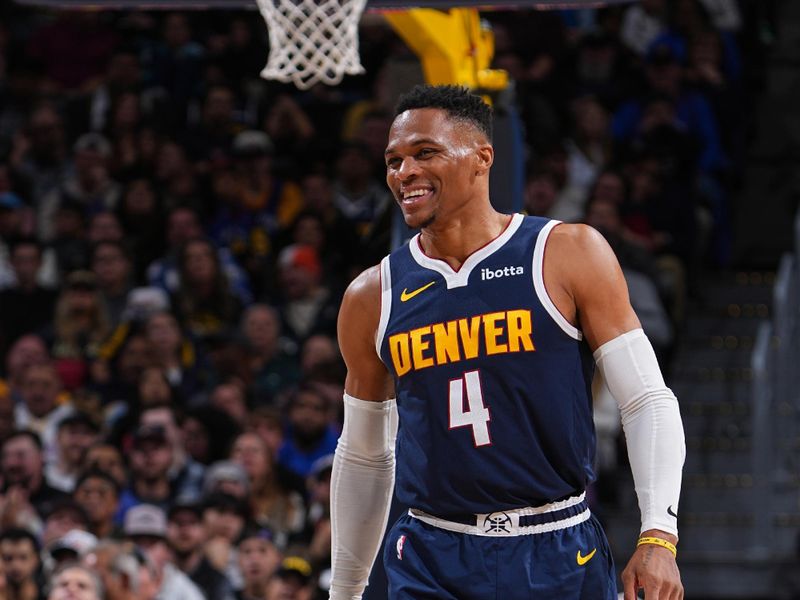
(400, 541)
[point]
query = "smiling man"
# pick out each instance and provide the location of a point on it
(489, 348)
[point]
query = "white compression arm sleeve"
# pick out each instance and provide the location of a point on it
(361, 491)
(652, 424)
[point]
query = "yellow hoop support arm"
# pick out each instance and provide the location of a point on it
(452, 46)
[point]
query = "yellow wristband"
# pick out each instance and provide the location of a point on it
(658, 542)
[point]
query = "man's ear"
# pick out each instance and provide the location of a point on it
(484, 159)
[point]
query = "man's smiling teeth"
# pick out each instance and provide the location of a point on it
(414, 194)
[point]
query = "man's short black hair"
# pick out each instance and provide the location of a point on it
(95, 473)
(17, 534)
(457, 101)
(24, 433)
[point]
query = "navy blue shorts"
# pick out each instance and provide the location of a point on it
(426, 562)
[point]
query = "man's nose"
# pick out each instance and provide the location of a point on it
(408, 168)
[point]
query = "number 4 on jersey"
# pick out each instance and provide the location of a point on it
(477, 414)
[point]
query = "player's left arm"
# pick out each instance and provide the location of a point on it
(584, 279)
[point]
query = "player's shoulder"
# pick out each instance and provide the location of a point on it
(364, 292)
(576, 241)
(577, 251)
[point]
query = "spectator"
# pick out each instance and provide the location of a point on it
(318, 521)
(40, 410)
(64, 516)
(143, 221)
(259, 560)
(80, 326)
(27, 492)
(357, 194)
(273, 505)
(26, 306)
(75, 582)
(267, 423)
(98, 495)
(71, 547)
(307, 306)
(39, 154)
(204, 300)
(19, 552)
(318, 351)
(155, 390)
(113, 270)
(106, 457)
(175, 354)
(90, 187)
(207, 433)
(185, 475)
(271, 364)
(75, 434)
(291, 580)
(30, 349)
(186, 534)
(146, 526)
(126, 572)
(225, 517)
(226, 477)
(229, 397)
(183, 226)
(310, 435)
(105, 227)
(151, 456)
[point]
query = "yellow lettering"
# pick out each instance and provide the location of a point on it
(491, 331)
(519, 330)
(418, 346)
(445, 337)
(401, 356)
(469, 331)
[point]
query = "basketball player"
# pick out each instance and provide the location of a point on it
(486, 328)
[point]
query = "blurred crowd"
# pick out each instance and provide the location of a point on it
(177, 234)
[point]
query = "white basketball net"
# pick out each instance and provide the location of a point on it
(312, 40)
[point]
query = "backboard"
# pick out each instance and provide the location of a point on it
(376, 5)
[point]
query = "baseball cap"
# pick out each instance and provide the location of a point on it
(300, 255)
(142, 302)
(93, 141)
(145, 519)
(79, 418)
(295, 566)
(74, 541)
(224, 470)
(252, 143)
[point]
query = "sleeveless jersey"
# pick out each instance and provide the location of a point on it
(493, 384)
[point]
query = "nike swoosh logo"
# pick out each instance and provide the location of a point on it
(670, 512)
(582, 560)
(405, 296)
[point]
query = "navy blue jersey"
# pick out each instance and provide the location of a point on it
(492, 382)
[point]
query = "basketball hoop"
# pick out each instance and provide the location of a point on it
(312, 41)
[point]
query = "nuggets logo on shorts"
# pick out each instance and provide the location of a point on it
(497, 523)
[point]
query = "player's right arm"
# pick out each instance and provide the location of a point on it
(359, 315)
(363, 467)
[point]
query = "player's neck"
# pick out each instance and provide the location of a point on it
(458, 236)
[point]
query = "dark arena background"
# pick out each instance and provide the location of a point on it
(177, 233)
